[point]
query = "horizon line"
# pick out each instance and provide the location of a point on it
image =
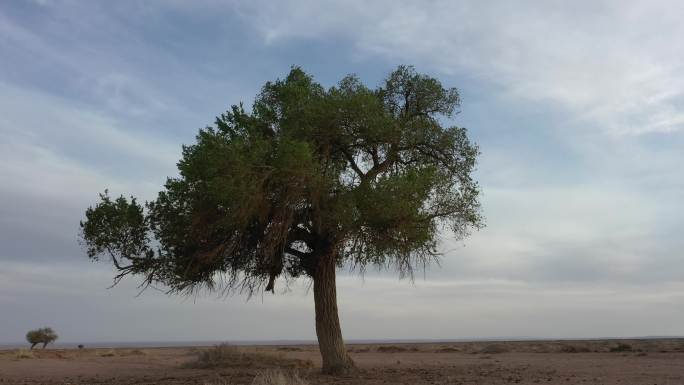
(267, 342)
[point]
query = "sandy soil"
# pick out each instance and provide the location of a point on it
(647, 362)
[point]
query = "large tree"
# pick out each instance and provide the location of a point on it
(308, 180)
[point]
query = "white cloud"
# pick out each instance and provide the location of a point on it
(46, 123)
(55, 157)
(72, 50)
(615, 64)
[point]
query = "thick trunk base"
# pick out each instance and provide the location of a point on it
(336, 361)
(345, 368)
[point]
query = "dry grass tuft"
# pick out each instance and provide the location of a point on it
(391, 349)
(24, 353)
(225, 355)
(495, 349)
(107, 353)
(278, 377)
(290, 349)
(447, 349)
(574, 349)
(133, 352)
(358, 350)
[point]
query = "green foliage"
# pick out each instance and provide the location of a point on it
(118, 228)
(369, 176)
(41, 336)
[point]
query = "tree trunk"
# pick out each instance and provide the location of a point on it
(335, 358)
(33, 345)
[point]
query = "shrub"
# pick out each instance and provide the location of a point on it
(80, 346)
(225, 355)
(391, 349)
(41, 336)
(574, 349)
(621, 347)
(447, 349)
(495, 349)
(216, 356)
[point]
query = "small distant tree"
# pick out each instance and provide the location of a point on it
(41, 336)
(309, 180)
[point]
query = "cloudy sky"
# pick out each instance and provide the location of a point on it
(578, 108)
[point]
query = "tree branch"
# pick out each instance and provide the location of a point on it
(297, 253)
(352, 163)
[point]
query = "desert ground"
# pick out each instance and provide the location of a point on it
(624, 362)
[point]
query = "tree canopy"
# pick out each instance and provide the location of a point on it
(369, 173)
(346, 174)
(41, 336)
